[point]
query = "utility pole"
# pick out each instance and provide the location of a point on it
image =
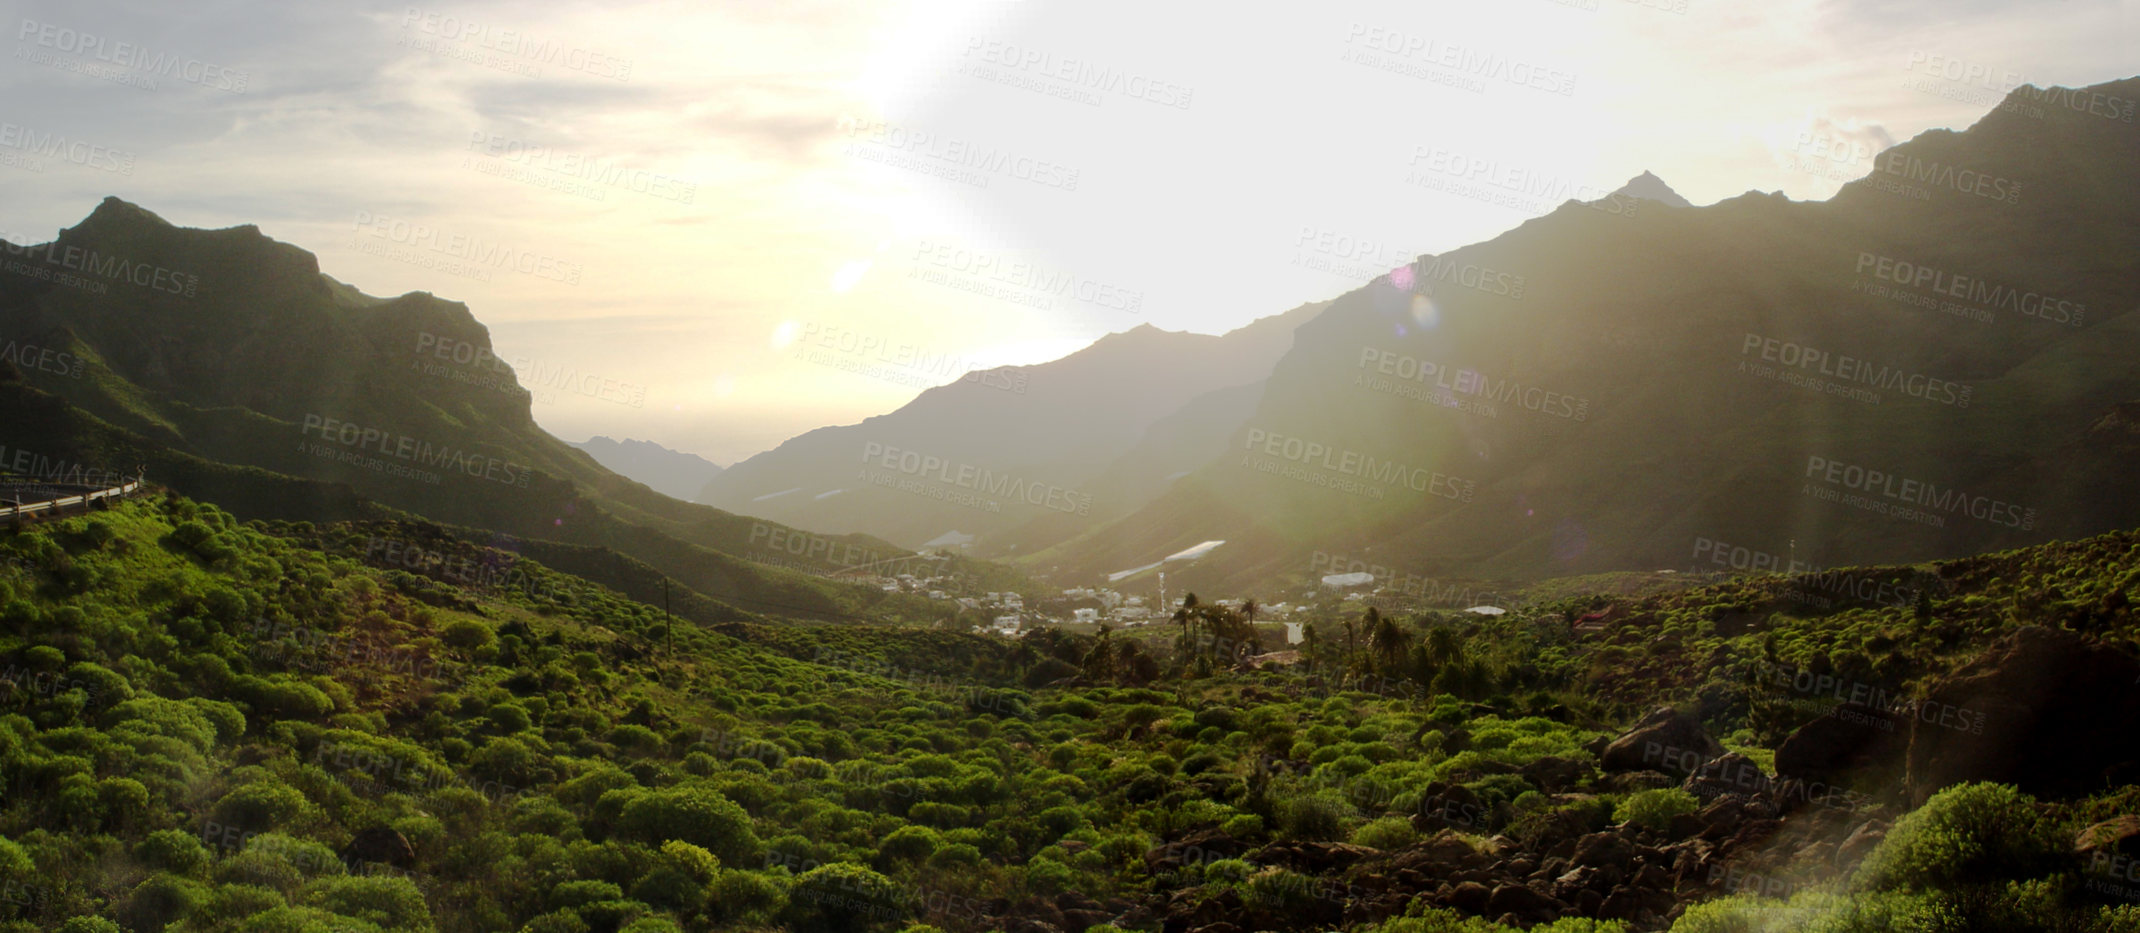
(1162, 591)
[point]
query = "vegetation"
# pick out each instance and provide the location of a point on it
(208, 725)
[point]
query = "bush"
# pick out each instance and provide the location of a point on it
(1389, 832)
(260, 806)
(162, 900)
(843, 897)
(697, 815)
(1317, 817)
(907, 844)
(1967, 834)
(1654, 809)
(1228, 870)
(173, 850)
(743, 894)
(393, 903)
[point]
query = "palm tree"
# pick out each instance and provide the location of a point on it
(1186, 615)
(1388, 638)
(1350, 628)
(1099, 663)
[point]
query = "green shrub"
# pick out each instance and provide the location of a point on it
(843, 897)
(1654, 809)
(1389, 832)
(173, 850)
(1318, 817)
(1967, 834)
(393, 903)
(697, 815)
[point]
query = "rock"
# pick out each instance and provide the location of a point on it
(1627, 903)
(2033, 712)
(1207, 845)
(2118, 835)
(1604, 850)
(1684, 825)
(1470, 897)
(1851, 738)
(1444, 805)
(1589, 902)
(1730, 773)
(1666, 740)
(1634, 781)
(1720, 818)
(1311, 858)
(1441, 853)
(1554, 774)
(1525, 904)
(380, 844)
(1859, 843)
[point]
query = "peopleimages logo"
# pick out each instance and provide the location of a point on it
(1354, 463)
(1919, 493)
(1473, 383)
(1951, 177)
(981, 479)
(404, 447)
(1967, 288)
(476, 252)
(131, 57)
(58, 146)
(1851, 371)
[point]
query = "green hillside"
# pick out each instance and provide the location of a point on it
(281, 393)
(215, 725)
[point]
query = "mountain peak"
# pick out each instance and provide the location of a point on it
(1652, 188)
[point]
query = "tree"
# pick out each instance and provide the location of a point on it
(701, 816)
(1186, 615)
(1099, 663)
(1388, 639)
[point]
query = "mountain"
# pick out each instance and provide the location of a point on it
(1939, 360)
(234, 370)
(1653, 188)
(672, 473)
(1038, 448)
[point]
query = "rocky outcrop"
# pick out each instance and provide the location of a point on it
(1666, 740)
(2037, 712)
(380, 844)
(1851, 738)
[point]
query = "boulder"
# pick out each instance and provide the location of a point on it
(1445, 805)
(1526, 904)
(1470, 897)
(1206, 845)
(1860, 843)
(2033, 712)
(1727, 774)
(2118, 835)
(1851, 738)
(1666, 740)
(1629, 782)
(1604, 850)
(1311, 858)
(1554, 774)
(380, 844)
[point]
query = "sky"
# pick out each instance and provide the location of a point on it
(719, 225)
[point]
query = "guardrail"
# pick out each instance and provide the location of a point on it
(55, 506)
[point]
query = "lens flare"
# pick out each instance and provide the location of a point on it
(1425, 312)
